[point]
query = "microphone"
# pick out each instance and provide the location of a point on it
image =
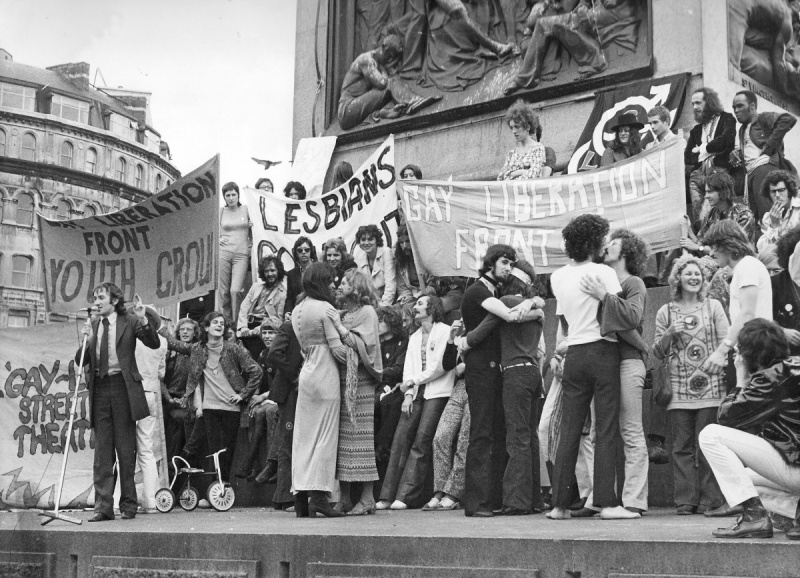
(88, 310)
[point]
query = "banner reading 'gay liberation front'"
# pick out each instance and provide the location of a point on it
(368, 198)
(451, 224)
(164, 249)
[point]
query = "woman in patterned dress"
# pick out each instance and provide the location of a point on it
(688, 330)
(359, 377)
(528, 159)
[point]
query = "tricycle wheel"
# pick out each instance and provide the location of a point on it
(165, 500)
(220, 496)
(189, 499)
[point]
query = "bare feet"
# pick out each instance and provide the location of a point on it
(559, 514)
(618, 513)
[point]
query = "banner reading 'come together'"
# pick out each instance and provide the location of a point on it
(451, 224)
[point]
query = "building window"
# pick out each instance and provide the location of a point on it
(25, 209)
(21, 267)
(159, 182)
(89, 211)
(139, 176)
(91, 161)
(67, 152)
(122, 126)
(28, 149)
(63, 210)
(2, 143)
(70, 109)
(15, 96)
(122, 170)
(18, 318)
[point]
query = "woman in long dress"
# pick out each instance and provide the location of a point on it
(359, 373)
(317, 416)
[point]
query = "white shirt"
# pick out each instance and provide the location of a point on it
(113, 360)
(751, 272)
(152, 364)
(579, 308)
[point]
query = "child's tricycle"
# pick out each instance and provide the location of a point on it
(193, 481)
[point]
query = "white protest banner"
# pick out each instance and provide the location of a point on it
(38, 377)
(164, 249)
(451, 224)
(311, 161)
(368, 198)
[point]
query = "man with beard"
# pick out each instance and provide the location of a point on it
(486, 452)
(710, 142)
(263, 305)
(304, 253)
(759, 148)
(591, 369)
(408, 281)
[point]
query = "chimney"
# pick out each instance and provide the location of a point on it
(76, 72)
(5, 55)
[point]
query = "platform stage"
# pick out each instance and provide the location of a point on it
(255, 542)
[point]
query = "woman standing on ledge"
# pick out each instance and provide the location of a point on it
(234, 254)
(527, 159)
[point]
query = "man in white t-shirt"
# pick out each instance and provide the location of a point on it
(751, 289)
(591, 369)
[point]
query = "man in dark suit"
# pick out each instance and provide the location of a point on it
(304, 253)
(117, 398)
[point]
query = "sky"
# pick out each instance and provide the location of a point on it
(221, 72)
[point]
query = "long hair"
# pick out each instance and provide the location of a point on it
(317, 280)
(722, 183)
(113, 292)
(265, 262)
(400, 258)
(726, 235)
(584, 236)
(762, 343)
(713, 103)
(306, 241)
(494, 253)
(634, 143)
(634, 250)
(205, 323)
(414, 169)
(363, 290)
(434, 308)
(675, 277)
(342, 173)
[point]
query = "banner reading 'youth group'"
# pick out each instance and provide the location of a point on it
(368, 198)
(451, 224)
(164, 249)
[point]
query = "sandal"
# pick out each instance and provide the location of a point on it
(434, 504)
(362, 509)
(448, 504)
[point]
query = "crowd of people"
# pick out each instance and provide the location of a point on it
(378, 387)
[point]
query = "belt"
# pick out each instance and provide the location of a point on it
(113, 378)
(504, 368)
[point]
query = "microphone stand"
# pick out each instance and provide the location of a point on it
(56, 514)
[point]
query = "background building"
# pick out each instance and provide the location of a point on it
(67, 150)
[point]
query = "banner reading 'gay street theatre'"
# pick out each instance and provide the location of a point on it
(368, 198)
(451, 224)
(164, 249)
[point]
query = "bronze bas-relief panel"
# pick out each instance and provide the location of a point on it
(400, 64)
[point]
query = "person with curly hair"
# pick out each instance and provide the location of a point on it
(376, 262)
(786, 288)
(591, 369)
(780, 187)
(294, 190)
(626, 141)
(359, 376)
(687, 330)
(750, 288)
(623, 315)
(526, 160)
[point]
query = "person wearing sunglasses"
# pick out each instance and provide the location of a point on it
(304, 253)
